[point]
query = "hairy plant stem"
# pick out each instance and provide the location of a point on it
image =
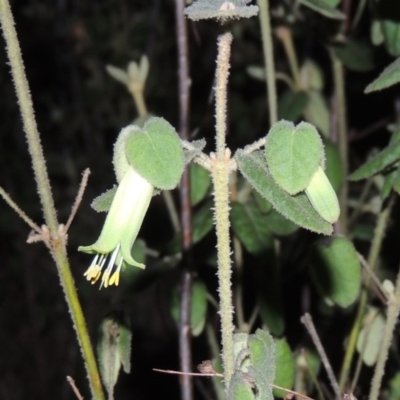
(268, 49)
(28, 116)
(39, 166)
(224, 52)
(75, 309)
(372, 262)
(339, 82)
(391, 321)
(220, 176)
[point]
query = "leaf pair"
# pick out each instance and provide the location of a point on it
(290, 172)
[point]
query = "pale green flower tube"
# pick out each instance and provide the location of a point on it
(120, 230)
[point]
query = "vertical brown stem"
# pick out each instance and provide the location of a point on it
(186, 211)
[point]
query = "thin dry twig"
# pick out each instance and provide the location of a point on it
(381, 291)
(170, 371)
(216, 374)
(78, 198)
(18, 210)
(308, 323)
(74, 388)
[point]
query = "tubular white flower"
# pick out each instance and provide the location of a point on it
(120, 229)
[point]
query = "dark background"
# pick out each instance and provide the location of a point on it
(80, 110)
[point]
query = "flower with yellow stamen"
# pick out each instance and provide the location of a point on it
(120, 230)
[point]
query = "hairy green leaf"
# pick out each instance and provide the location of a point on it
(155, 152)
(296, 208)
(356, 55)
(389, 77)
(378, 163)
(250, 226)
(293, 154)
(335, 270)
(324, 7)
(284, 363)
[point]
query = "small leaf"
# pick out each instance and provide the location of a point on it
(284, 367)
(198, 306)
(200, 182)
(376, 33)
(249, 225)
(333, 3)
(221, 10)
(118, 74)
(391, 34)
(202, 222)
(378, 163)
(312, 77)
(198, 146)
(335, 270)
(356, 55)
(317, 112)
(370, 338)
(103, 202)
(239, 346)
(389, 77)
(296, 208)
(323, 7)
(239, 389)
(279, 225)
(156, 153)
(143, 68)
(333, 165)
(256, 72)
(262, 364)
(114, 349)
(388, 182)
(388, 12)
(133, 71)
(217, 381)
(268, 285)
(396, 183)
(293, 154)
(322, 197)
(263, 204)
(291, 105)
(394, 387)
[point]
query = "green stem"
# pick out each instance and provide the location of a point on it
(224, 52)
(74, 306)
(285, 36)
(268, 49)
(220, 174)
(28, 116)
(44, 189)
(392, 314)
(372, 261)
(138, 99)
(339, 82)
(358, 15)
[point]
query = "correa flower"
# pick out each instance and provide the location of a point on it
(120, 230)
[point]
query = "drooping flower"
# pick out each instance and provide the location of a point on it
(120, 230)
